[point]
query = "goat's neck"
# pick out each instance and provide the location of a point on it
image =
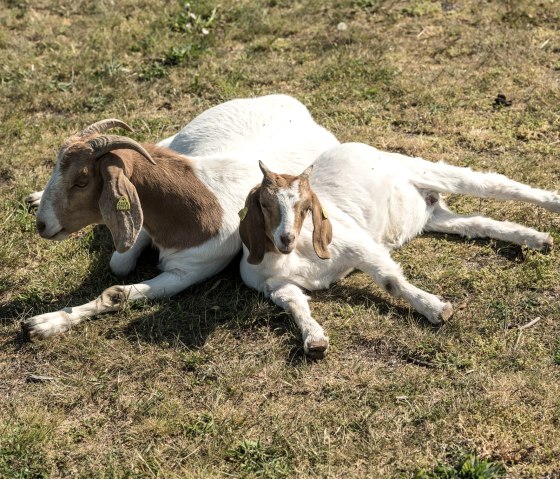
(179, 210)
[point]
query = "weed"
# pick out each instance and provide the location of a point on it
(252, 457)
(21, 455)
(469, 467)
(556, 353)
(153, 71)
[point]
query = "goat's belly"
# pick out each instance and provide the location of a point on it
(407, 213)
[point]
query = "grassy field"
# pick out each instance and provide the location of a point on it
(213, 382)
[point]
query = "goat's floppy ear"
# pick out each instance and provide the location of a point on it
(120, 207)
(322, 228)
(251, 228)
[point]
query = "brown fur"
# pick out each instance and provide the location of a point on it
(174, 206)
(322, 228)
(252, 228)
(263, 216)
(179, 210)
(124, 224)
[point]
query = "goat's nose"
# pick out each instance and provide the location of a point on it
(287, 238)
(41, 226)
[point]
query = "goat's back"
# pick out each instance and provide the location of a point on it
(244, 123)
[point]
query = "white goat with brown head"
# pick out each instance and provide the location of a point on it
(363, 203)
(183, 195)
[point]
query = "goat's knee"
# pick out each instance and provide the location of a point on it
(122, 264)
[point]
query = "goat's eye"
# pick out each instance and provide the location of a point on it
(81, 184)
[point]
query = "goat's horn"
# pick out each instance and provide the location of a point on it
(103, 125)
(104, 144)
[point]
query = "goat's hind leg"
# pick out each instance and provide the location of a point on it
(112, 299)
(443, 220)
(444, 178)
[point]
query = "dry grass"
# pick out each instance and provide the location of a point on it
(213, 383)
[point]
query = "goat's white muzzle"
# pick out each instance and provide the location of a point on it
(47, 223)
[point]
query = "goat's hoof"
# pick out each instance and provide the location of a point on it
(46, 325)
(316, 349)
(446, 312)
(34, 199)
(548, 244)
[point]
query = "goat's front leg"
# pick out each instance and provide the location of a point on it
(34, 199)
(445, 221)
(375, 260)
(112, 299)
(123, 263)
(291, 298)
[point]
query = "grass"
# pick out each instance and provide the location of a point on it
(469, 467)
(213, 383)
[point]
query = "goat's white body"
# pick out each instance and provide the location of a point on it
(224, 143)
(366, 195)
(377, 201)
(275, 128)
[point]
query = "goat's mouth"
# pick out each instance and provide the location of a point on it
(286, 249)
(58, 236)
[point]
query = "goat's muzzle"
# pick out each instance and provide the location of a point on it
(46, 233)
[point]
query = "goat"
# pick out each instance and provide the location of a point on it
(364, 203)
(182, 195)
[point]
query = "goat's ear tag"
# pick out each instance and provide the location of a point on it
(242, 213)
(324, 211)
(123, 204)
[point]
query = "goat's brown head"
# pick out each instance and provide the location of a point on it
(89, 185)
(274, 215)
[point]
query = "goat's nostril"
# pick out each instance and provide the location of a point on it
(287, 238)
(41, 226)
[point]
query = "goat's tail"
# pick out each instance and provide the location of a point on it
(444, 178)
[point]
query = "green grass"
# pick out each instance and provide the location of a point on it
(213, 382)
(469, 467)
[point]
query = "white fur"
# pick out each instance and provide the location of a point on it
(225, 144)
(34, 199)
(377, 201)
(287, 199)
(46, 205)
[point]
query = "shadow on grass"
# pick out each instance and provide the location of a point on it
(99, 278)
(509, 251)
(190, 317)
(186, 319)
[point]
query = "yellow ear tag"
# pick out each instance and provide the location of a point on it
(242, 213)
(123, 204)
(324, 211)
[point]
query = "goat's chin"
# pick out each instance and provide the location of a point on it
(286, 250)
(58, 236)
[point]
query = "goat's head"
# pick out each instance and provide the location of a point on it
(89, 186)
(274, 214)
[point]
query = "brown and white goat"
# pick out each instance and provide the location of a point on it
(364, 203)
(183, 196)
